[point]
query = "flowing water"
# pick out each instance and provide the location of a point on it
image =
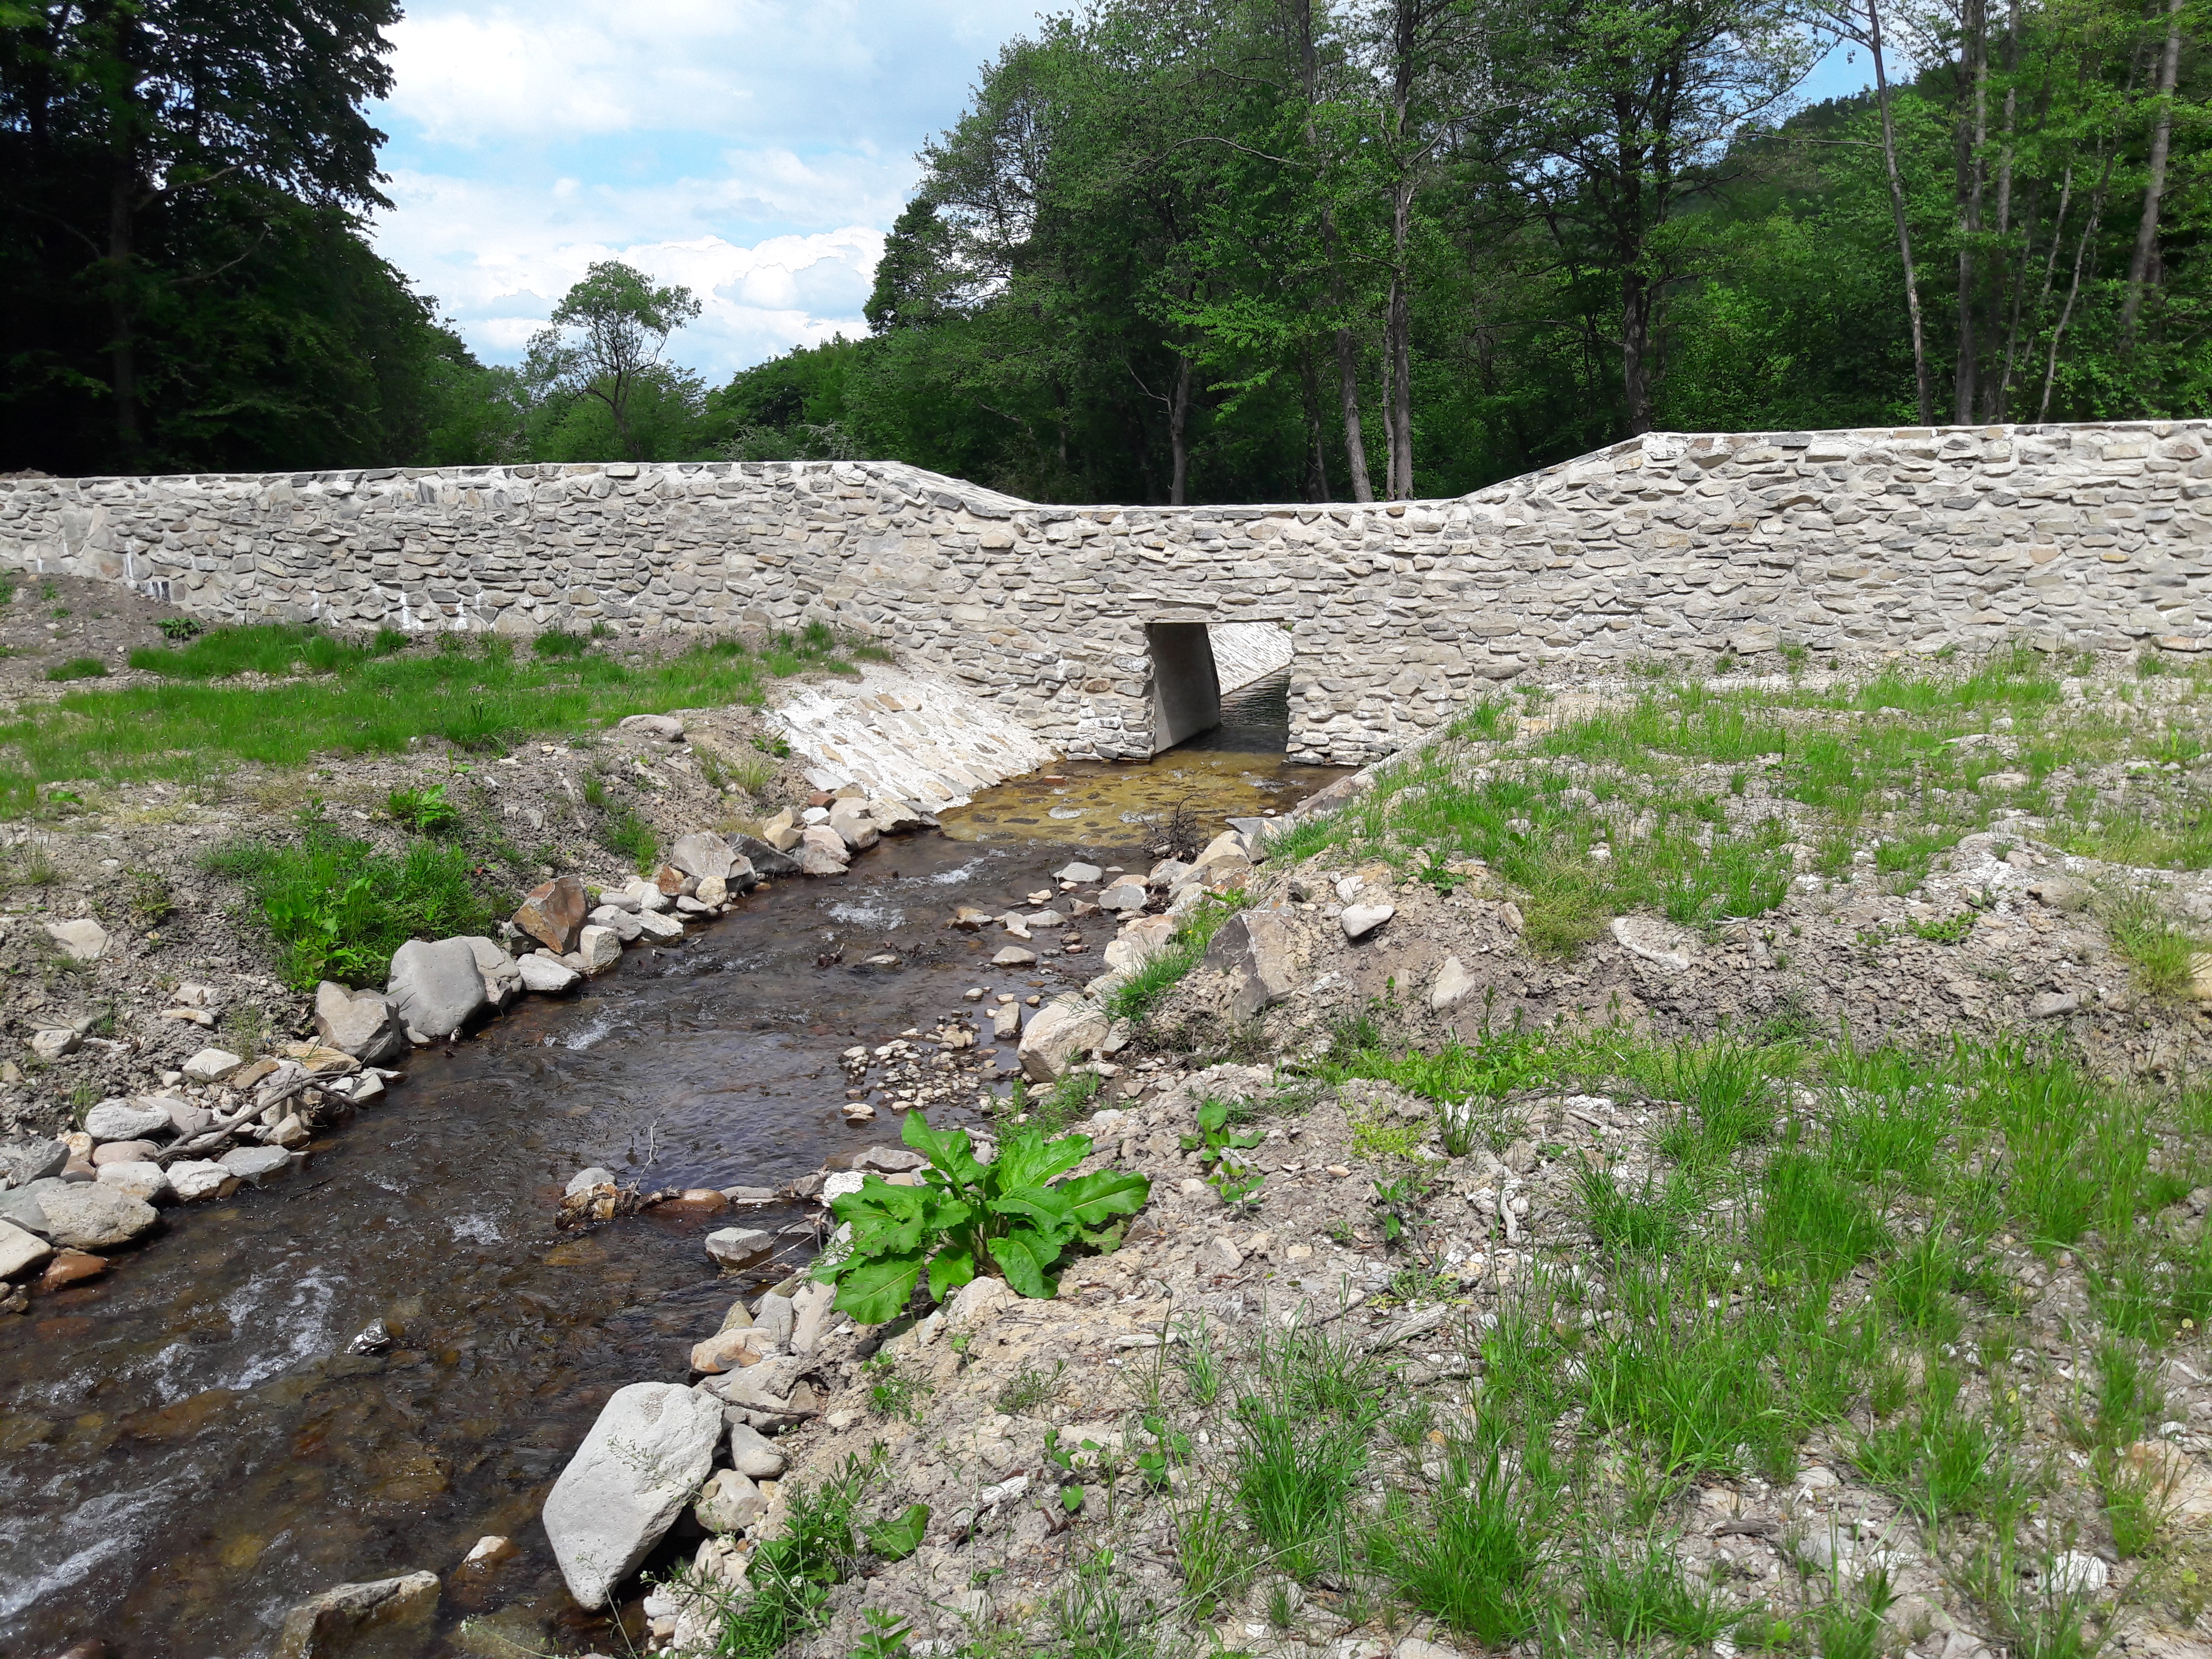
(187, 1447)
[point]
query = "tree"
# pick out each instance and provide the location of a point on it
(605, 339)
(1637, 104)
(116, 109)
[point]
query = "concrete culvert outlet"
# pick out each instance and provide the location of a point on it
(1186, 689)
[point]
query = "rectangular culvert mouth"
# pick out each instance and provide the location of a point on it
(1186, 689)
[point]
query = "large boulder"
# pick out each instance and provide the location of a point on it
(21, 1251)
(89, 1216)
(124, 1120)
(850, 819)
(645, 1458)
(357, 1022)
(767, 862)
(822, 852)
(436, 987)
(552, 912)
(386, 1618)
(702, 855)
(502, 979)
(1255, 948)
(544, 975)
(22, 1162)
(1059, 1036)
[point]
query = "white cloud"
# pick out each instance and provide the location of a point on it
(500, 260)
(832, 70)
(756, 150)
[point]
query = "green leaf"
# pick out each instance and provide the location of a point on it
(875, 1289)
(1092, 1200)
(948, 1151)
(1047, 1208)
(896, 1540)
(1027, 1160)
(1023, 1256)
(885, 1219)
(952, 1269)
(1071, 1496)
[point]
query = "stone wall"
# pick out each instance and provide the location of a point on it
(1860, 541)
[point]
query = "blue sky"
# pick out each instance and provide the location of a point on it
(755, 150)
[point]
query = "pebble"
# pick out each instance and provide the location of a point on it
(1013, 956)
(584, 1180)
(739, 1247)
(1360, 919)
(119, 1120)
(212, 1065)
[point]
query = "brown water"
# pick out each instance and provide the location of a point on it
(1235, 770)
(186, 1446)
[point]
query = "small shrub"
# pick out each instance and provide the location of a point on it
(425, 810)
(178, 629)
(1950, 930)
(339, 908)
(1012, 1218)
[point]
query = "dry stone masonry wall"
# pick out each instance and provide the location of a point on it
(1858, 541)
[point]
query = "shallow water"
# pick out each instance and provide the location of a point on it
(1235, 770)
(187, 1447)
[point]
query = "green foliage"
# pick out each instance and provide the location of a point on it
(339, 909)
(791, 1576)
(178, 629)
(1473, 1555)
(626, 832)
(1948, 930)
(424, 810)
(1012, 1218)
(1218, 1145)
(896, 1540)
(1160, 973)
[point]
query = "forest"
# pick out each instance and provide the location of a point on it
(1178, 250)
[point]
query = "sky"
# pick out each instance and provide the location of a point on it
(755, 151)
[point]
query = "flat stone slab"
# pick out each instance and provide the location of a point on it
(256, 1165)
(89, 1216)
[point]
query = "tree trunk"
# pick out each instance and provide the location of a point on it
(1993, 393)
(122, 344)
(1897, 211)
(1355, 445)
(1636, 350)
(1973, 132)
(2073, 291)
(1316, 478)
(1400, 345)
(2139, 262)
(1179, 436)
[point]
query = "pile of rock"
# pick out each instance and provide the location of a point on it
(659, 1446)
(823, 835)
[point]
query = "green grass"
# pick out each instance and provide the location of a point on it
(2157, 949)
(791, 1575)
(79, 668)
(1141, 991)
(1474, 1554)
(339, 909)
(363, 696)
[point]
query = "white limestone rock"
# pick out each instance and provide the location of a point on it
(644, 1458)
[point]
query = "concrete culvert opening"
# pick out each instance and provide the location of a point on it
(1230, 679)
(1186, 689)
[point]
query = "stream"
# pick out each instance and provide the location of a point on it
(189, 1448)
